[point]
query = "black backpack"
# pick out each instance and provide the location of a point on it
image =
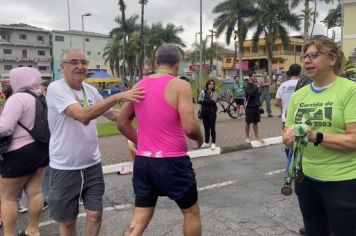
(40, 131)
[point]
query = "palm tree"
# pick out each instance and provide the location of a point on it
(271, 19)
(123, 24)
(124, 32)
(307, 17)
(158, 34)
(142, 42)
(233, 13)
(209, 53)
(113, 54)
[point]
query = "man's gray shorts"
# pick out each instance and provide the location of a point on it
(67, 187)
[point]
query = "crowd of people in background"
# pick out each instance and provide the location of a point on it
(326, 195)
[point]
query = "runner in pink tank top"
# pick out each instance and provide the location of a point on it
(162, 166)
(160, 131)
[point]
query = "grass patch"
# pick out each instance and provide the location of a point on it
(109, 128)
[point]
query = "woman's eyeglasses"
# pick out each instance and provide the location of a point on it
(311, 55)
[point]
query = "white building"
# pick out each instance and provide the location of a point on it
(25, 45)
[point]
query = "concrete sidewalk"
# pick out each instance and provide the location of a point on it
(230, 136)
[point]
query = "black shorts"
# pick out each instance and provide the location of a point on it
(24, 161)
(240, 101)
(171, 177)
(252, 115)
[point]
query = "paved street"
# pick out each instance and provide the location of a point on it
(230, 133)
(239, 194)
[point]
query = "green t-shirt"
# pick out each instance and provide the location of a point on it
(333, 109)
(238, 89)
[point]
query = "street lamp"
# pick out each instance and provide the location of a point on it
(70, 34)
(86, 14)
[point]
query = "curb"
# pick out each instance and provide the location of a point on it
(111, 169)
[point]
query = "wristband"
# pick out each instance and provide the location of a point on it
(319, 138)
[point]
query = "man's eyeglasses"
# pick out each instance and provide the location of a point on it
(312, 55)
(77, 62)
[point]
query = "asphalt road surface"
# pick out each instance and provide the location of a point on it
(239, 194)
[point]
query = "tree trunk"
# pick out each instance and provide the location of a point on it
(142, 43)
(269, 44)
(306, 20)
(124, 46)
(240, 60)
(314, 18)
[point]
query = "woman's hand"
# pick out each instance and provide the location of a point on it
(311, 135)
(288, 136)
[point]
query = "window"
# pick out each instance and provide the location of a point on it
(59, 38)
(228, 60)
(23, 36)
(87, 39)
(88, 53)
(29, 66)
(7, 67)
(42, 68)
(41, 53)
(40, 38)
(7, 51)
(274, 48)
(98, 67)
(254, 49)
(24, 53)
(20, 65)
(298, 48)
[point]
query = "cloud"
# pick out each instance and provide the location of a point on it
(50, 14)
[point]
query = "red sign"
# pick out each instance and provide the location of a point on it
(244, 65)
(194, 68)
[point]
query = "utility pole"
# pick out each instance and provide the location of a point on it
(201, 44)
(211, 46)
(342, 24)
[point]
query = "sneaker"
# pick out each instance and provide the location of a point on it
(247, 140)
(45, 205)
(205, 145)
(213, 146)
(21, 208)
(270, 116)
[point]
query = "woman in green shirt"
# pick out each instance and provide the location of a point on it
(327, 194)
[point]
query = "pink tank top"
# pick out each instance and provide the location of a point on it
(160, 133)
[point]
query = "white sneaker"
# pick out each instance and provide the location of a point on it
(205, 145)
(247, 140)
(213, 146)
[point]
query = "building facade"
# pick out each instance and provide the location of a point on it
(255, 58)
(25, 45)
(94, 44)
(349, 39)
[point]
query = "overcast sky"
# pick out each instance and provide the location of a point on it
(52, 14)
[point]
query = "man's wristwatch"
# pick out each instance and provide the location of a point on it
(319, 138)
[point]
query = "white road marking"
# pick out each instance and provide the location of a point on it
(217, 185)
(266, 142)
(124, 206)
(275, 172)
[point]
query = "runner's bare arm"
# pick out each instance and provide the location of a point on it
(112, 114)
(186, 112)
(124, 123)
(86, 114)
